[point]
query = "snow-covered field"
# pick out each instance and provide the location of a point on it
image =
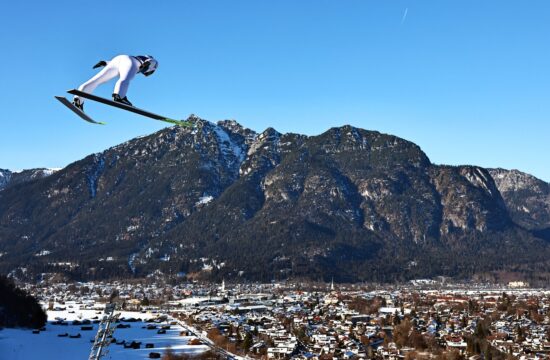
(18, 344)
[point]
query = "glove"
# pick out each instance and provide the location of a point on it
(100, 64)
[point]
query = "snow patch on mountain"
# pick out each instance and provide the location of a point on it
(50, 171)
(131, 261)
(94, 174)
(228, 146)
(38, 172)
(5, 177)
(203, 200)
(478, 178)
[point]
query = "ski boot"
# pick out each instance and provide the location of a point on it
(124, 100)
(78, 103)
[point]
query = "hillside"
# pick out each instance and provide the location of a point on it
(222, 201)
(17, 308)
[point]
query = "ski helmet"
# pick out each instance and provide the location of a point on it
(149, 64)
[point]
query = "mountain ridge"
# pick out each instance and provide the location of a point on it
(12, 178)
(220, 200)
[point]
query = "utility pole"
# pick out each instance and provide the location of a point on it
(104, 333)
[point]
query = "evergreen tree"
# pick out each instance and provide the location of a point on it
(248, 342)
(17, 308)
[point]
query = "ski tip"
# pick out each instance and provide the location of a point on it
(181, 123)
(186, 124)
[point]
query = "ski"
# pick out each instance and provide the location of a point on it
(129, 108)
(77, 111)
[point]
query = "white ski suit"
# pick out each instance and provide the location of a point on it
(123, 66)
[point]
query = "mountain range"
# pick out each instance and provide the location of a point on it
(222, 201)
(10, 178)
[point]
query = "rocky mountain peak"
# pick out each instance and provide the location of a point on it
(221, 200)
(515, 180)
(527, 198)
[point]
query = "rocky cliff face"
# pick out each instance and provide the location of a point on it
(527, 198)
(221, 200)
(484, 210)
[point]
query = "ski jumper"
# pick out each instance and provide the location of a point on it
(123, 66)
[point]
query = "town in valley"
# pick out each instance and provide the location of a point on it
(422, 319)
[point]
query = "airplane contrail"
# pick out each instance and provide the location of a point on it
(404, 16)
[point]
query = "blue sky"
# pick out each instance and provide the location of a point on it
(468, 81)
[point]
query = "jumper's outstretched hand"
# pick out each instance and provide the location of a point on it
(100, 64)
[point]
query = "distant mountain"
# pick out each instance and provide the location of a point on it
(11, 178)
(527, 198)
(222, 201)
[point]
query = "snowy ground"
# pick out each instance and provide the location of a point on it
(18, 344)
